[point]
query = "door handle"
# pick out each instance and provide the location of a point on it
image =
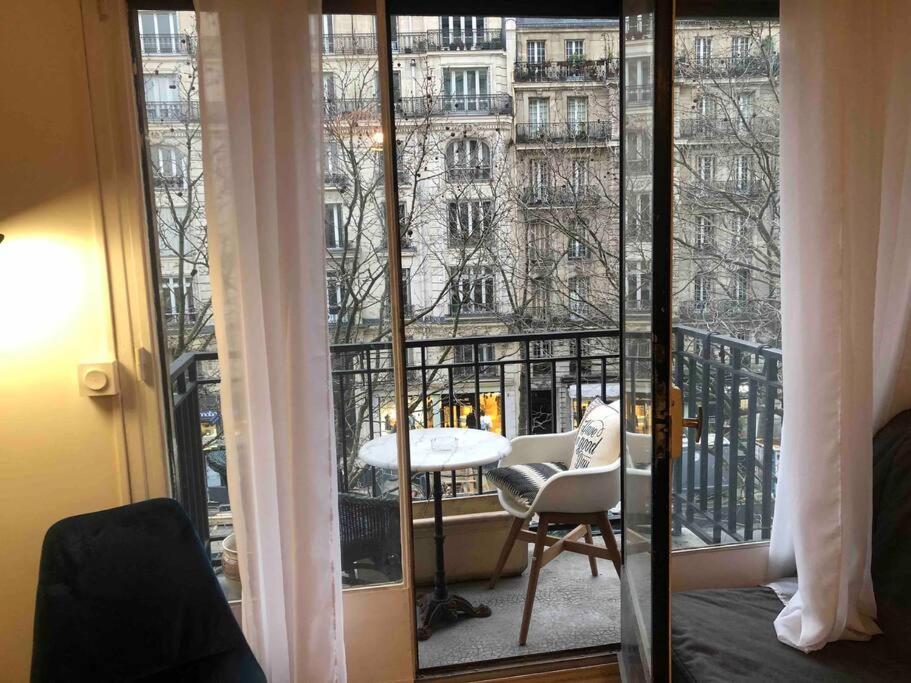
(695, 423)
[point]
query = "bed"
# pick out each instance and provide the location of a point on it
(728, 635)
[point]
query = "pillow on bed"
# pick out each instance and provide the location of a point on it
(523, 482)
(598, 439)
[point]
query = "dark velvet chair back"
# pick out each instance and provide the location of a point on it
(129, 594)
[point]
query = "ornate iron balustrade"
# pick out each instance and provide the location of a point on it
(722, 487)
(548, 196)
(751, 65)
(448, 41)
(572, 131)
(184, 111)
(364, 107)
(350, 44)
(572, 70)
(454, 105)
(721, 131)
(165, 44)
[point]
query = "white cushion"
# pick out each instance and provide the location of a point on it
(598, 439)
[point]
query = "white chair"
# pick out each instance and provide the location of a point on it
(581, 497)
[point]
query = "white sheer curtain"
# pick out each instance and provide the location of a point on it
(846, 292)
(261, 112)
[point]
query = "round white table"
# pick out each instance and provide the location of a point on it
(434, 450)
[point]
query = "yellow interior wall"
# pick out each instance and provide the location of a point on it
(58, 450)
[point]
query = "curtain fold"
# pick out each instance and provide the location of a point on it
(846, 292)
(261, 111)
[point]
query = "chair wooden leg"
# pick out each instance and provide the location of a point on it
(514, 530)
(592, 561)
(533, 578)
(610, 541)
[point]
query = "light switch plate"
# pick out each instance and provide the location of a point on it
(98, 379)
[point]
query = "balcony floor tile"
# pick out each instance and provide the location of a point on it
(573, 609)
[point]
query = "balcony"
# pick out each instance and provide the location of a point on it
(172, 112)
(571, 132)
(415, 42)
(639, 95)
(721, 68)
(566, 71)
(729, 310)
(448, 41)
(167, 44)
(722, 488)
(454, 105)
(567, 196)
(335, 180)
(717, 130)
(353, 107)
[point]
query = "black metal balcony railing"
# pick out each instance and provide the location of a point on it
(184, 111)
(468, 174)
(335, 179)
(454, 105)
(722, 488)
(436, 41)
(572, 131)
(167, 44)
(173, 183)
(712, 129)
(548, 196)
(365, 107)
(744, 66)
(638, 94)
(573, 70)
(729, 310)
(414, 42)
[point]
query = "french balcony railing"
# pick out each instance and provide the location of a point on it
(722, 68)
(448, 41)
(335, 179)
(468, 174)
(566, 71)
(550, 196)
(638, 94)
(172, 183)
(454, 105)
(165, 44)
(729, 310)
(414, 42)
(569, 132)
(360, 107)
(722, 130)
(184, 111)
(722, 487)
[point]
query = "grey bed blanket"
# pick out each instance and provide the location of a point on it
(728, 635)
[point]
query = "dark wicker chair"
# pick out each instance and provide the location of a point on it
(369, 529)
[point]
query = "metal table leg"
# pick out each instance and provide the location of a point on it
(441, 605)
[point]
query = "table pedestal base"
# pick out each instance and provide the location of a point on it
(432, 610)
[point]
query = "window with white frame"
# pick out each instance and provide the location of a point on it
(461, 32)
(468, 159)
(464, 353)
(638, 293)
(168, 168)
(469, 221)
(538, 115)
(575, 50)
(159, 33)
(328, 87)
(703, 50)
(406, 290)
(328, 34)
(578, 247)
(740, 47)
(465, 89)
(172, 294)
(579, 295)
(335, 296)
(706, 106)
(472, 291)
(643, 207)
(702, 289)
(740, 229)
(745, 101)
(743, 172)
(705, 232)
(538, 242)
(579, 175)
(534, 51)
(335, 226)
(540, 349)
(333, 167)
(539, 301)
(742, 284)
(161, 88)
(539, 176)
(705, 168)
(577, 115)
